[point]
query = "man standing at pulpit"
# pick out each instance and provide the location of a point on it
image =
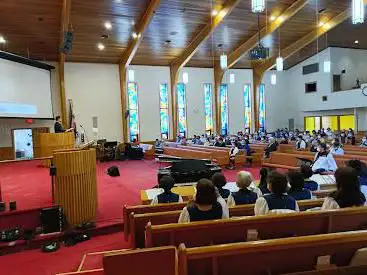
(58, 125)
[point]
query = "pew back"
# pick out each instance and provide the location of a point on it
(186, 153)
(271, 256)
(267, 227)
(347, 270)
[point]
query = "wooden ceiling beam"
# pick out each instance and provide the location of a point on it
(128, 56)
(65, 22)
(305, 40)
(242, 49)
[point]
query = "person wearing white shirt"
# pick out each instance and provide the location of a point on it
(337, 149)
(348, 193)
(300, 144)
(167, 196)
(363, 142)
(324, 161)
(245, 194)
(207, 205)
(278, 201)
(232, 155)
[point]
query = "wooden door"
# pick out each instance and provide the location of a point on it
(36, 141)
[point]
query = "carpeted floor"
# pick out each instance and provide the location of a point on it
(29, 185)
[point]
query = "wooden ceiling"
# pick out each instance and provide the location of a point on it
(32, 29)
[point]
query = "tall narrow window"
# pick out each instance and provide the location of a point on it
(224, 108)
(262, 106)
(132, 92)
(181, 106)
(208, 99)
(247, 101)
(163, 95)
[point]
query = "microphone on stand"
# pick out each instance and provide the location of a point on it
(85, 132)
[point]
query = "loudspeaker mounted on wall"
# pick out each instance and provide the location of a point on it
(67, 44)
(95, 125)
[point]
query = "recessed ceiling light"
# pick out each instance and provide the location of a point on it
(135, 35)
(104, 36)
(108, 25)
(214, 13)
(356, 42)
(2, 39)
(272, 18)
(100, 46)
(281, 18)
(220, 45)
(167, 42)
(321, 23)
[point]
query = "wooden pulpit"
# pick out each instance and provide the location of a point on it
(51, 142)
(76, 185)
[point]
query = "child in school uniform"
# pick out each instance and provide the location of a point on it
(206, 205)
(297, 190)
(219, 180)
(245, 194)
(278, 201)
(307, 174)
(166, 183)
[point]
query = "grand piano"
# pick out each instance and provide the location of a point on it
(187, 170)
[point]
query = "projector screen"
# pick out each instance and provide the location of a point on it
(25, 91)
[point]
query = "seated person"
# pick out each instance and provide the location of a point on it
(219, 180)
(232, 155)
(348, 193)
(263, 185)
(363, 142)
(278, 201)
(272, 146)
(324, 161)
(300, 144)
(307, 174)
(166, 183)
(361, 169)
(297, 190)
(206, 206)
(158, 144)
(220, 143)
(135, 143)
(183, 141)
(337, 148)
(245, 195)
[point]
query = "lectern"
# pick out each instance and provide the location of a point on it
(76, 185)
(50, 142)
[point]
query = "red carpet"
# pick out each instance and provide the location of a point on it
(29, 185)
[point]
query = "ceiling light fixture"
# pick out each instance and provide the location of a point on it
(100, 46)
(272, 18)
(135, 35)
(322, 23)
(280, 18)
(357, 11)
(108, 25)
(356, 42)
(214, 13)
(258, 6)
(2, 39)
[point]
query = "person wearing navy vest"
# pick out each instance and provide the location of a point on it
(219, 180)
(348, 193)
(205, 206)
(244, 195)
(307, 174)
(297, 190)
(278, 201)
(166, 183)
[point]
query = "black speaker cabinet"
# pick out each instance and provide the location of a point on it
(13, 205)
(2, 206)
(52, 220)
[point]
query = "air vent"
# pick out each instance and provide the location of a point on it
(309, 69)
(311, 87)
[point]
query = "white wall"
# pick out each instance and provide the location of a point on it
(195, 113)
(7, 124)
(148, 79)
(95, 91)
(353, 61)
(236, 103)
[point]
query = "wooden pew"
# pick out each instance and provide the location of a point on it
(271, 256)
(140, 209)
(156, 261)
(219, 156)
(186, 153)
(138, 222)
(268, 227)
(345, 270)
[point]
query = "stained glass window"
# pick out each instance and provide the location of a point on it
(208, 102)
(262, 107)
(132, 95)
(224, 108)
(181, 106)
(163, 95)
(247, 101)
